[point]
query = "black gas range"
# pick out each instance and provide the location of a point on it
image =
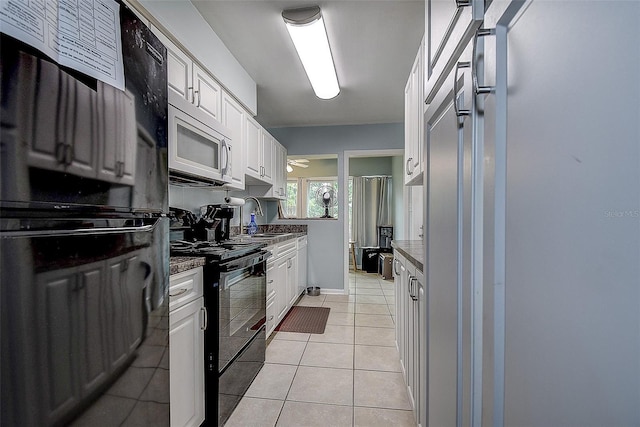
(235, 298)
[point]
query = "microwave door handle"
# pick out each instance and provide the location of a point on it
(225, 149)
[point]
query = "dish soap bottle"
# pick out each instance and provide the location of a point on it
(253, 227)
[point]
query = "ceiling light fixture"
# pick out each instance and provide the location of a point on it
(289, 168)
(307, 30)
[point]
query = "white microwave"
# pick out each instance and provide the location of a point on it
(199, 146)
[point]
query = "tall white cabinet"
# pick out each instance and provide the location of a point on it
(531, 194)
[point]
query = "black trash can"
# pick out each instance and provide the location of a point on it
(370, 257)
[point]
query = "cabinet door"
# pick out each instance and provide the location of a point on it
(179, 68)
(92, 327)
(73, 354)
(420, 408)
(450, 24)
(292, 279)
(448, 136)
(281, 288)
(233, 117)
(110, 132)
(413, 122)
(207, 93)
(82, 156)
(186, 360)
(48, 142)
(302, 265)
(58, 347)
(254, 148)
(128, 147)
(268, 157)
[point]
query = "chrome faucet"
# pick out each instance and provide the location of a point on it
(258, 210)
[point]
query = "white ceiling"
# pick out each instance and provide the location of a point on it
(374, 43)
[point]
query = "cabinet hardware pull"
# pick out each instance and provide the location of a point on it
(180, 292)
(395, 265)
(190, 94)
(270, 281)
(198, 92)
(409, 172)
(60, 146)
(480, 90)
(206, 318)
(271, 317)
(68, 154)
(462, 3)
(459, 112)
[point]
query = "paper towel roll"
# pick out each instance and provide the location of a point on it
(234, 201)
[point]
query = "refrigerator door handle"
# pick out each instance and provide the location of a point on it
(77, 231)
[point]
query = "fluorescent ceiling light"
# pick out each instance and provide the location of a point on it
(306, 28)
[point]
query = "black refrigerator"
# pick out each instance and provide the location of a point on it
(84, 257)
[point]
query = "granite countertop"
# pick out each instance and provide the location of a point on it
(413, 250)
(178, 264)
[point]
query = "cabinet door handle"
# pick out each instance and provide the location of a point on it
(206, 318)
(462, 3)
(180, 292)
(68, 154)
(395, 265)
(270, 281)
(271, 317)
(409, 172)
(198, 92)
(60, 148)
(190, 94)
(479, 90)
(459, 112)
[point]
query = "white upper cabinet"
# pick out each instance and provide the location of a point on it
(179, 69)
(450, 25)
(413, 111)
(253, 147)
(233, 117)
(191, 81)
(207, 93)
(268, 156)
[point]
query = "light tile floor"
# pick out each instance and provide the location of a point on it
(348, 376)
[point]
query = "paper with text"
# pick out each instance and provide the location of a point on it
(79, 34)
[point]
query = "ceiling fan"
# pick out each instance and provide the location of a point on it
(301, 163)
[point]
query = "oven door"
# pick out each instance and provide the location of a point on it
(198, 145)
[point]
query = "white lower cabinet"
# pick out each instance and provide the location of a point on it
(411, 324)
(283, 287)
(187, 323)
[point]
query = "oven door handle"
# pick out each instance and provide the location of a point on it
(244, 262)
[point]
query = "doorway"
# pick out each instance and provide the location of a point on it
(377, 178)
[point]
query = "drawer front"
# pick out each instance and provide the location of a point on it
(285, 247)
(302, 241)
(185, 287)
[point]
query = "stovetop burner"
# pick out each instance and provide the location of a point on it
(216, 250)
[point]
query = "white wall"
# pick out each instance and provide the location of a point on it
(186, 24)
(326, 252)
